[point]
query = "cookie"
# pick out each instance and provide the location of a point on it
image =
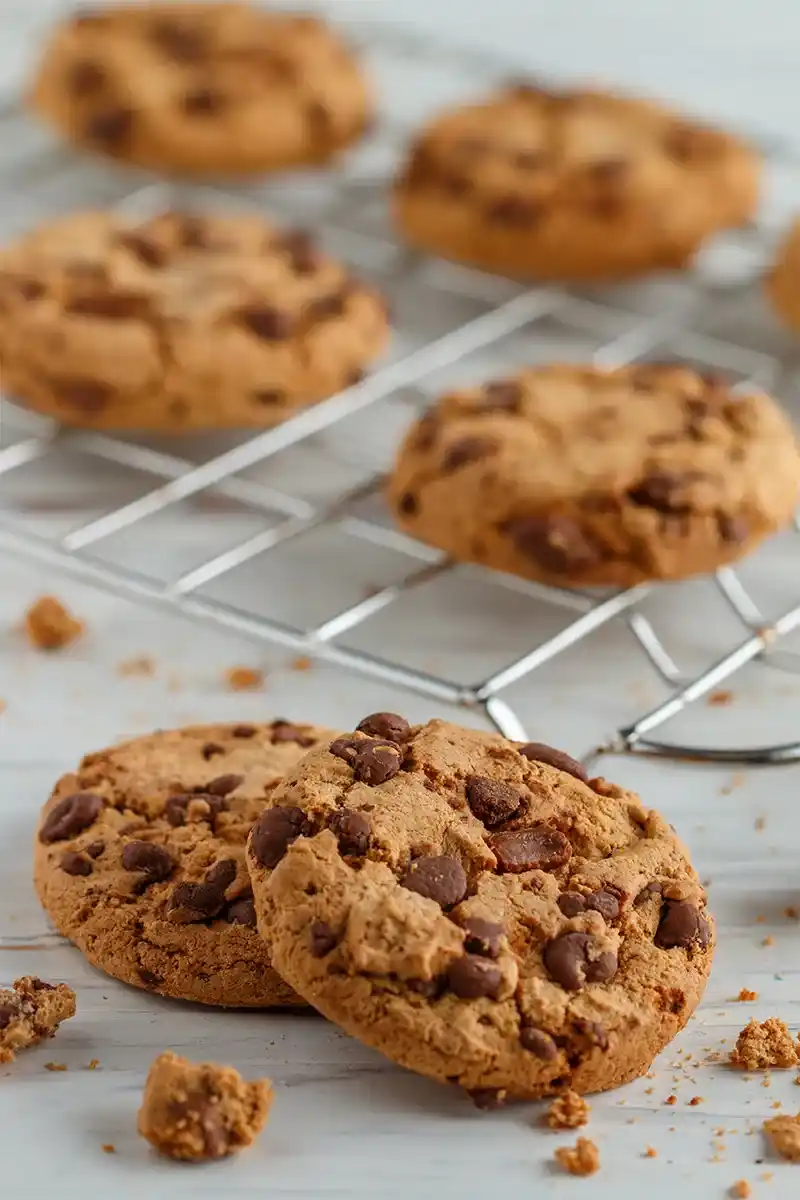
(202, 89)
(200, 1111)
(571, 185)
(140, 859)
(479, 910)
(781, 285)
(576, 475)
(178, 323)
(31, 1013)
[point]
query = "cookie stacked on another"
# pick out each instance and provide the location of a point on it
(479, 910)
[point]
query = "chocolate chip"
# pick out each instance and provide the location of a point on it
(223, 785)
(346, 748)
(592, 1031)
(70, 817)
(274, 832)
(409, 504)
(203, 102)
(682, 925)
(95, 849)
(530, 160)
(572, 903)
(539, 752)
(269, 324)
(321, 939)
(332, 305)
(179, 42)
(518, 212)
(482, 937)
(8, 1013)
(386, 725)
(504, 395)
(662, 491)
(492, 801)
(472, 976)
(28, 289)
(304, 255)
(75, 864)
(154, 861)
(149, 978)
(111, 129)
(541, 849)
(465, 451)
(648, 891)
(243, 731)
(608, 170)
(352, 830)
(439, 877)
(284, 731)
(211, 750)
(606, 903)
(557, 543)
(376, 762)
(151, 253)
(109, 306)
(566, 959)
(86, 78)
(242, 912)
(194, 902)
(538, 1042)
(88, 395)
(733, 529)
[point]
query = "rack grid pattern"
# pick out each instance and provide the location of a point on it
(167, 480)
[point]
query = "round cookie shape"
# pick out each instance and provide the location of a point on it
(503, 923)
(577, 475)
(179, 323)
(781, 284)
(139, 859)
(571, 185)
(202, 89)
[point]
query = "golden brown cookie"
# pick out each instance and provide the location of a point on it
(178, 323)
(571, 185)
(576, 475)
(202, 89)
(783, 281)
(479, 910)
(140, 859)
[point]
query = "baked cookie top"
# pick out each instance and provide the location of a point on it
(140, 859)
(565, 184)
(202, 87)
(599, 476)
(180, 321)
(479, 910)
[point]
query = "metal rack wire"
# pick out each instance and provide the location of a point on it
(505, 310)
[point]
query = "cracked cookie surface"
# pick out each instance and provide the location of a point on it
(480, 911)
(202, 89)
(571, 185)
(178, 323)
(584, 476)
(139, 859)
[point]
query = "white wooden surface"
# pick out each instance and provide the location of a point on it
(345, 1121)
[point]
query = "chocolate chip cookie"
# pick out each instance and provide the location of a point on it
(181, 322)
(479, 910)
(783, 281)
(140, 859)
(575, 475)
(571, 185)
(202, 89)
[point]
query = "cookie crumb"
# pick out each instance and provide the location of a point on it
(51, 626)
(720, 698)
(651, 1152)
(769, 940)
(792, 913)
(199, 1111)
(745, 996)
(671, 1100)
(741, 1190)
(32, 1012)
(760, 824)
(108, 1148)
(695, 1100)
(141, 665)
(581, 1159)
(302, 663)
(783, 1134)
(763, 1044)
(244, 679)
(569, 1111)
(54, 1066)
(93, 1064)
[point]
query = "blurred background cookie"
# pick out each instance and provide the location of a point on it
(202, 88)
(783, 282)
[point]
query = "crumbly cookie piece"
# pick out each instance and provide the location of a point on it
(783, 1134)
(200, 1111)
(178, 323)
(51, 626)
(585, 476)
(202, 89)
(581, 1159)
(478, 910)
(569, 1111)
(781, 284)
(32, 1012)
(140, 859)
(571, 185)
(765, 1044)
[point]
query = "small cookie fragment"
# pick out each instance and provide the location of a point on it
(200, 1111)
(569, 1111)
(49, 625)
(581, 1159)
(765, 1044)
(784, 1136)
(741, 1190)
(244, 679)
(32, 1012)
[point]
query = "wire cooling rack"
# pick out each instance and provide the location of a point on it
(453, 323)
